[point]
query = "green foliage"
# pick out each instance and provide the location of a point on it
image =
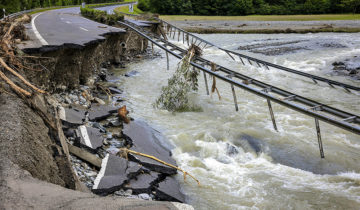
(248, 7)
(175, 96)
(354, 5)
(101, 16)
(144, 5)
(13, 6)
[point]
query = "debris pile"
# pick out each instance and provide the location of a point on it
(99, 133)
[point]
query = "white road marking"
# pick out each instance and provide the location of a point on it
(101, 172)
(85, 136)
(68, 22)
(37, 34)
(83, 29)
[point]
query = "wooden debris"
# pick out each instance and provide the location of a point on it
(122, 112)
(213, 87)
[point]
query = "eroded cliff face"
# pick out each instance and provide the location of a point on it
(71, 66)
(28, 139)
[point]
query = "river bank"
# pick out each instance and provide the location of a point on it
(266, 27)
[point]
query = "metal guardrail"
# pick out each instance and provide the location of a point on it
(169, 27)
(319, 111)
(266, 64)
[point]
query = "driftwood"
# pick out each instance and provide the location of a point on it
(11, 32)
(84, 155)
(213, 87)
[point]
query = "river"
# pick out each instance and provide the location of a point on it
(240, 160)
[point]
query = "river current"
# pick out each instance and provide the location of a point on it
(241, 162)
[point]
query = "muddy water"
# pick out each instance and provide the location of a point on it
(239, 159)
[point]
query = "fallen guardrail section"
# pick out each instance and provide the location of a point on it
(172, 31)
(319, 111)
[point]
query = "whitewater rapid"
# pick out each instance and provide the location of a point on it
(240, 160)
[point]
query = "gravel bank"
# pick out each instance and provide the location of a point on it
(233, 26)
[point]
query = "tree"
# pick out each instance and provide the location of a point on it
(354, 5)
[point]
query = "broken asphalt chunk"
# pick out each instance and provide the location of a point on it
(98, 113)
(90, 137)
(145, 141)
(169, 190)
(72, 117)
(143, 182)
(114, 174)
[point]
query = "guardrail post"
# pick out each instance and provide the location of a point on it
(206, 84)
(183, 38)
(242, 61)
(152, 48)
(319, 138)
(167, 60)
(179, 36)
(272, 114)
(234, 96)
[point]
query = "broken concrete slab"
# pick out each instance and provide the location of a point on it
(72, 117)
(143, 182)
(169, 190)
(90, 137)
(98, 113)
(144, 140)
(114, 174)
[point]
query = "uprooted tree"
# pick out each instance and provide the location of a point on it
(175, 96)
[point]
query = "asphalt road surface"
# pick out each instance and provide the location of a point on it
(64, 26)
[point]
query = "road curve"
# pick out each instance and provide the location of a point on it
(64, 27)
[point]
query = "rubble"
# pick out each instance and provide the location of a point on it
(169, 190)
(143, 183)
(73, 117)
(115, 172)
(98, 113)
(144, 140)
(90, 137)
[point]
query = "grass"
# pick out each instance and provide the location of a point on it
(125, 9)
(264, 17)
(89, 5)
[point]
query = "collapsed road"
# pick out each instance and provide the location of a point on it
(81, 151)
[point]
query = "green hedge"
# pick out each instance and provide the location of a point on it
(101, 16)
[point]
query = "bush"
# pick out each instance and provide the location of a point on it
(101, 16)
(144, 5)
